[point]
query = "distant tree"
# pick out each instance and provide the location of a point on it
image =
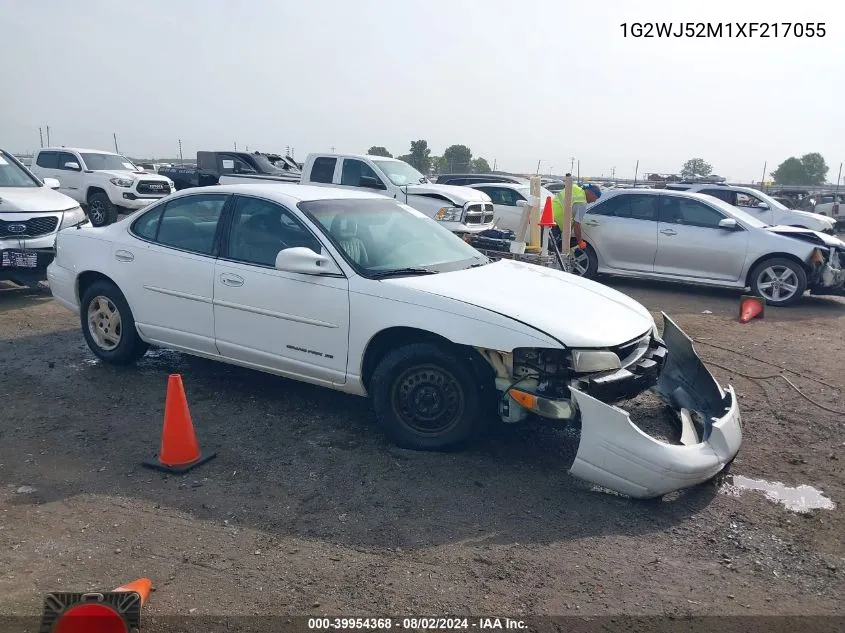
(378, 150)
(419, 156)
(815, 168)
(480, 166)
(696, 167)
(458, 158)
(791, 172)
(439, 164)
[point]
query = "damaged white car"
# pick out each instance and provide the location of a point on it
(362, 294)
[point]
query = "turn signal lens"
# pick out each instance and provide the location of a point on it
(527, 400)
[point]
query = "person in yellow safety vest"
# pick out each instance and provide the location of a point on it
(579, 205)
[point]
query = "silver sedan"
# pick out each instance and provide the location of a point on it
(694, 238)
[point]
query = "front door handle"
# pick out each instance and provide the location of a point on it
(229, 279)
(590, 223)
(123, 256)
(668, 232)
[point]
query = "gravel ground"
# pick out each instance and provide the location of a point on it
(308, 510)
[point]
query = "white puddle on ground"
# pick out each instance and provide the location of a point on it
(797, 499)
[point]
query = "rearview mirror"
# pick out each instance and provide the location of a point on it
(762, 205)
(73, 165)
(305, 261)
(52, 183)
(728, 224)
(369, 182)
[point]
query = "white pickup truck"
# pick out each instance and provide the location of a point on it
(459, 209)
(104, 182)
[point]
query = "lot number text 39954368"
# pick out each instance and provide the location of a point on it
(723, 29)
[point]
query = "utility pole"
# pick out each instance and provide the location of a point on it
(538, 166)
(838, 178)
(494, 164)
(636, 169)
(763, 181)
(41, 136)
(236, 146)
(332, 149)
(572, 165)
(579, 171)
(180, 152)
(48, 136)
(116, 151)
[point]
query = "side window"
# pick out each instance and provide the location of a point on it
(688, 212)
(48, 160)
(146, 226)
(234, 165)
(609, 206)
(260, 229)
(190, 223)
(323, 169)
(635, 207)
(723, 194)
(746, 200)
(356, 173)
(64, 157)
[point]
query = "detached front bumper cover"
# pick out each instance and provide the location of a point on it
(614, 453)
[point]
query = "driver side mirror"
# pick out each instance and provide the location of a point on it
(368, 182)
(73, 166)
(305, 261)
(762, 206)
(522, 203)
(52, 183)
(729, 224)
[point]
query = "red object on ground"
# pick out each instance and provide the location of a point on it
(750, 308)
(548, 218)
(90, 618)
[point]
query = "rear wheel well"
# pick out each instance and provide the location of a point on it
(395, 337)
(84, 281)
(93, 191)
(789, 256)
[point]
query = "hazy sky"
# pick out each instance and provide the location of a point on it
(516, 81)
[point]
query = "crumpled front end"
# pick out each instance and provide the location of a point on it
(613, 451)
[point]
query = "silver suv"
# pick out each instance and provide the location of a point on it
(761, 206)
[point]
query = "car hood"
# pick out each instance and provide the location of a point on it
(33, 199)
(808, 235)
(128, 173)
(575, 311)
(458, 195)
(812, 216)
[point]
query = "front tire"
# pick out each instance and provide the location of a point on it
(427, 398)
(780, 281)
(101, 211)
(108, 325)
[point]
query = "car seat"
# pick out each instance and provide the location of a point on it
(345, 231)
(260, 239)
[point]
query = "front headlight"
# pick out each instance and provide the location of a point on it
(587, 361)
(71, 217)
(122, 182)
(449, 214)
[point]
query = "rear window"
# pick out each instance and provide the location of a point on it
(323, 169)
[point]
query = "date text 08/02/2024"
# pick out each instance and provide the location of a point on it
(434, 624)
(723, 29)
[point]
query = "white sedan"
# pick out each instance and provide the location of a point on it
(506, 197)
(357, 292)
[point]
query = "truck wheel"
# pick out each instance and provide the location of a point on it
(427, 398)
(779, 281)
(108, 325)
(101, 211)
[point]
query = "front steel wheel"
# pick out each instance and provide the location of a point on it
(428, 399)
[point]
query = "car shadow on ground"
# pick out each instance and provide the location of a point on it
(295, 459)
(14, 297)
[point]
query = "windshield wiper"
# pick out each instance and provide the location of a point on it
(398, 272)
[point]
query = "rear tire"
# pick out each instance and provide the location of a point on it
(780, 281)
(101, 211)
(108, 325)
(426, 397)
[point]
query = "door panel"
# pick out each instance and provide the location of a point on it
(623, 231)
(690, 243)
(288, 322)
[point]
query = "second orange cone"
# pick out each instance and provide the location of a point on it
(179, 449)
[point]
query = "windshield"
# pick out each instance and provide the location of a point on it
(13, 175)
(400, 173)
(377, 235)
(102, 162)
(267, 166)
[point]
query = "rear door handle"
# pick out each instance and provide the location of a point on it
(229, 279)
(668, 232)
(123, 256)
(590, 223)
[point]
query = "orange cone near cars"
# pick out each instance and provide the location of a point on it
(750, 308)
(179, 449)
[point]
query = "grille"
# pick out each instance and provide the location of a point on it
(153, 188)
(34, 227)
(479, 213)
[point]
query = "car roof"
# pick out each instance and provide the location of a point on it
(285, 192)
(81, 150)
(495, 183)
(358, 156)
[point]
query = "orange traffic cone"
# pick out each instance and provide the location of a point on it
(750, 307)
(142, 587)
(179, 450)
(548, 217)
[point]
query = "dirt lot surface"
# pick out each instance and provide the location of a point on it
(308, 510)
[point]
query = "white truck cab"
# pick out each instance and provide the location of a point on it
(104, 182)
(460, 209)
